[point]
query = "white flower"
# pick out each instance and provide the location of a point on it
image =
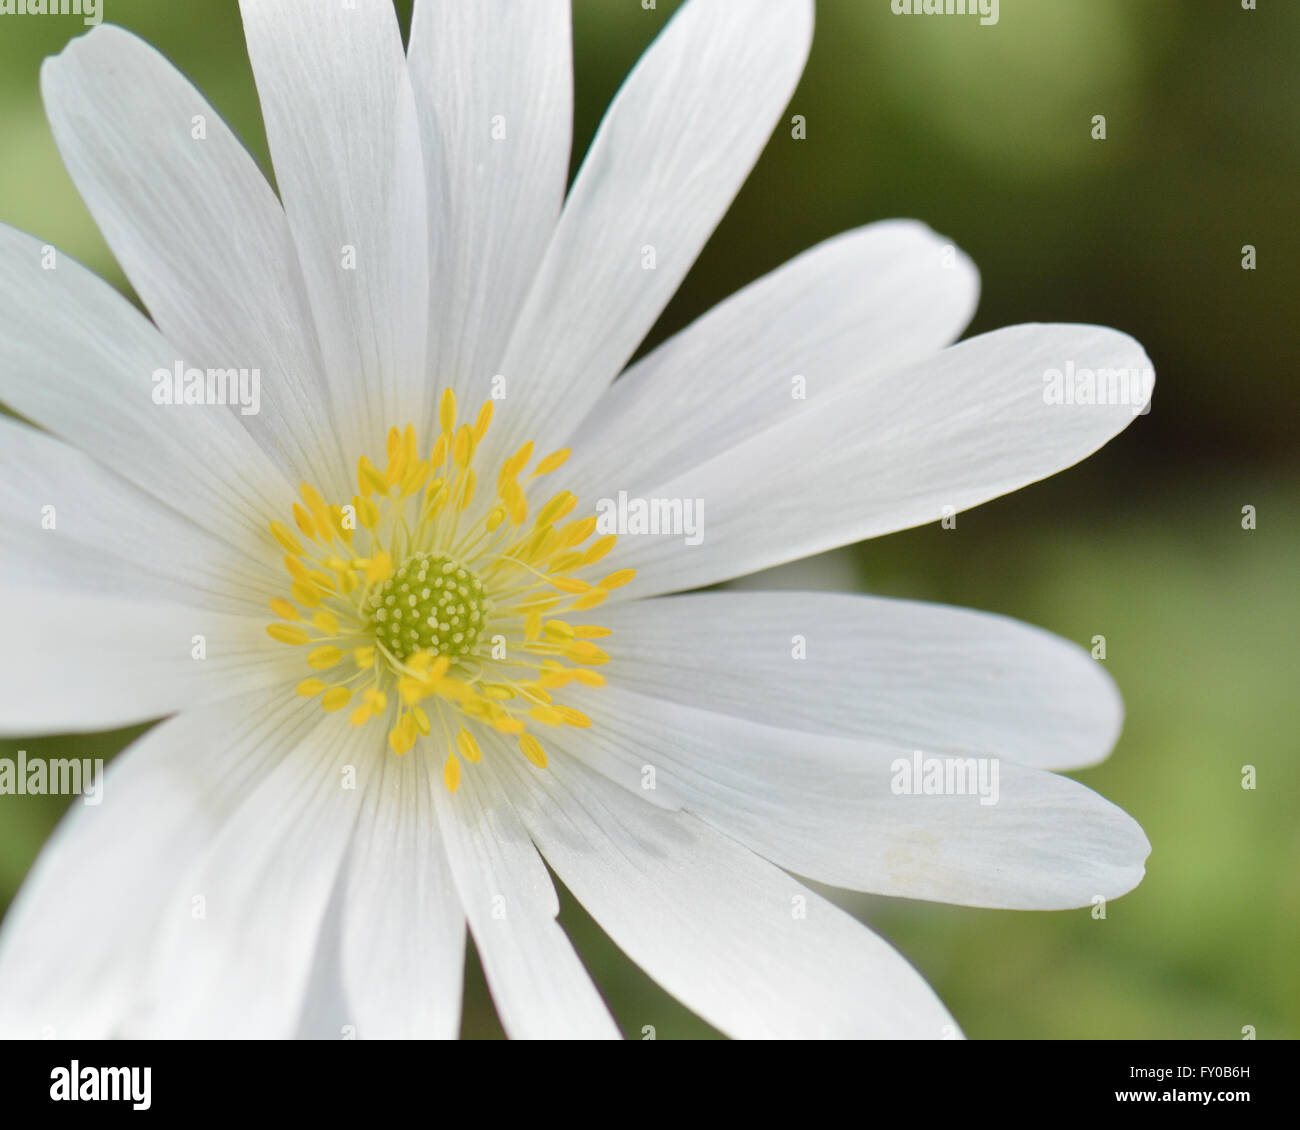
(265, 867)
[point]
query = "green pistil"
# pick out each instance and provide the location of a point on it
(430, 603)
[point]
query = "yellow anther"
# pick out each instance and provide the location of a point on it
(512, 494)
(585, 652)
(304, 521)
(440, 447)
(319, 511)
(557, 508)
(569, 584)
(380, 568)
(532, 749)
(468, 747)
(402, 736)
(322, 581)
(552, 462)
(539, 545)
(517, 462)
(310, 688)
(563, 562)
(533, 626)
(323, 658)
(534, 692)
(483, 422)
(428, 665)
(285, 537)
(327, 623)
(447, 411)
(287, 633)
(305, 593)
(598, 549)
(414, 479)
(336, 698)
(578, 531)
(572, 717)
(369, 480)
(284, 609)
(617, 580)
(367, 512)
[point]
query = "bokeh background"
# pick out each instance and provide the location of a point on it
(985, 133)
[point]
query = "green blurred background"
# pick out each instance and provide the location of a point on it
(985, 133)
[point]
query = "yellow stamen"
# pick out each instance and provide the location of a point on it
(284, 609)
(288, 633)
(285, 537)
(323, 658)
(532, 749)
(455, 619)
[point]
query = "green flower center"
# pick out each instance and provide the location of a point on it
(430, 603)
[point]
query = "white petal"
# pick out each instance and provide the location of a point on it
(403, 930)
(827, 807)
(112, 871)
(78, 359)
(265, 878)
(899, 450)
(673, 150)
(861, 303)
(747, 947)
(538, 983)
(493, 85)
(198, 232)
(73, 663)
(920, 676)
(67, 524)
(340, 120)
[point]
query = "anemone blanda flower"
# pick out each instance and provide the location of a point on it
(400, 665)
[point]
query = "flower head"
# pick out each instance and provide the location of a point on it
(402, 667)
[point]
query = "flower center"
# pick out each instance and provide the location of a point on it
(431, 603)
(468, 632)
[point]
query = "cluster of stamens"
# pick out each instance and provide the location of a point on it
(434, 629)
